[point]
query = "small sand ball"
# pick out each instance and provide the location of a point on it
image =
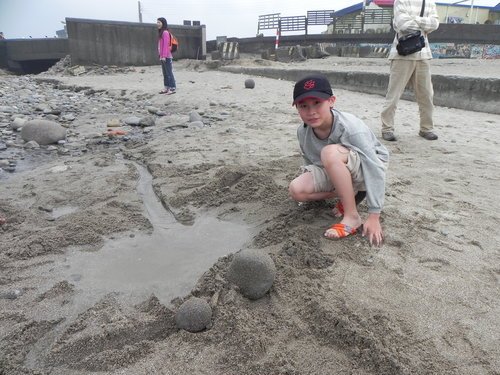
(253, 271)
(194, 315)
(249, 83)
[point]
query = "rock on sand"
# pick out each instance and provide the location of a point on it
(43, 132)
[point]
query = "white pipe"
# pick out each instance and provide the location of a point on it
(471, 9)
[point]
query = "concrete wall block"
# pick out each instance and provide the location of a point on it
(268, 54)
(229, 50)
(316, 51)
(473, 94)
(374, 51)
(128, 43)
(349, 51)
(287, 54)
(216, 55)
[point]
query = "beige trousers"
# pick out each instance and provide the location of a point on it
(417, 72)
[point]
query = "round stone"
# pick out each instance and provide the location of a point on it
(195, 116)
(43, 132)
(194, 315)
(249, 83)
(253, 271)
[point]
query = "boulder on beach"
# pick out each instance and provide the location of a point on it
(43, 132)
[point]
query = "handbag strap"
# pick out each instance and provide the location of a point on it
(423, 7)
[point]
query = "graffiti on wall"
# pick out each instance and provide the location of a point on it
(491, 51)
(465, 51)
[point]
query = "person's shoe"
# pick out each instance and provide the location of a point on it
(430, 136)
(171, 91)
(389, 136)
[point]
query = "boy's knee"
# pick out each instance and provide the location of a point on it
(333, 153)
(297, 191)
(293, 190)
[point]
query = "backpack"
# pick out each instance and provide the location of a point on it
(174, 44)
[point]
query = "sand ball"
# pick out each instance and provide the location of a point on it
(253, 271)
(194, 315)
(249, 83)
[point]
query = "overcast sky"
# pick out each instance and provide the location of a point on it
(231, 18)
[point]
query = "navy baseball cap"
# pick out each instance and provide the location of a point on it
(312, 86)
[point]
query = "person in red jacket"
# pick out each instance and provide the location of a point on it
(165, 55)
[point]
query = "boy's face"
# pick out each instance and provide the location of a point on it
(316, 112)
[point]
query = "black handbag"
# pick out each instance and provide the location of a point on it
(413, 42)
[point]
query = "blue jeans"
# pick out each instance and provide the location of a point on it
(168, 73)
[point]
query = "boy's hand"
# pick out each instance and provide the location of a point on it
(373, 230)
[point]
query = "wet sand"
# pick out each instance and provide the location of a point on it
(426, 302)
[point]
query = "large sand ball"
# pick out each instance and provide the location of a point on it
(249, 83)
(194, 315)
(253, 271)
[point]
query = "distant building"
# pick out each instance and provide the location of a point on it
(461, 13)
(378, 16)
(62, 33)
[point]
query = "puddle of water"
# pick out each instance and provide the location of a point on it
(167, 262)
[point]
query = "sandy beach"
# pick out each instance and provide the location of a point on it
(106, 236)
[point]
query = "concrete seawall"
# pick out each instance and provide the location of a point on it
(469, 93)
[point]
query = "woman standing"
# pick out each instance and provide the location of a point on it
(165, 57)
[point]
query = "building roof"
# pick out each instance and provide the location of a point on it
(389, 3)
(348, 10)
(384, 3)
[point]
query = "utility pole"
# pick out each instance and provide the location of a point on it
(471, 9)
(140, 13)
(363, 10)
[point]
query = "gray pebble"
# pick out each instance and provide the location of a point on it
(11, 294)
(195, 116)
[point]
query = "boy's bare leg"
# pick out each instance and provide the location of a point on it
(334, 159)
(358, 198)
(301, 189)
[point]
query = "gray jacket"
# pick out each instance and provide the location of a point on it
(353, 133)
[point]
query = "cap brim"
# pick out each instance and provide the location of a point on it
(311, 94)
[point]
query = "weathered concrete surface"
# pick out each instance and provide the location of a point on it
(470, 93)
(128, 43)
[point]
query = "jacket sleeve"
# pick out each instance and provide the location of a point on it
(407, 16)
(373, 170)
(300, 138)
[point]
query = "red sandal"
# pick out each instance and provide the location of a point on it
(343, 230)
